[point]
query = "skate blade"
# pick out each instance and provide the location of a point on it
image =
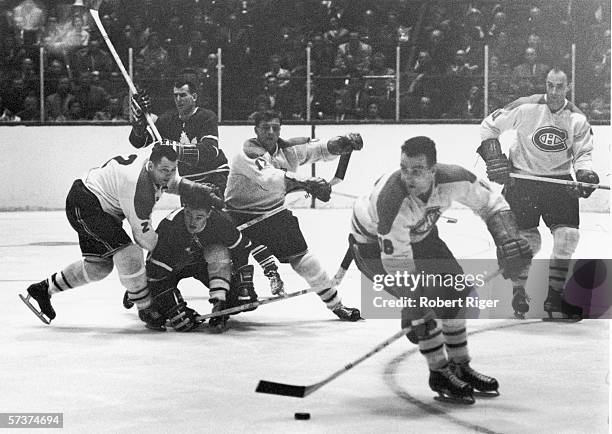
(465, 400)
(563, 319)
(481, 394)
(518, 315)
(39, 314)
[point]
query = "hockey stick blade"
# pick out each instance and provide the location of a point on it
(33, 309)
(281, 389)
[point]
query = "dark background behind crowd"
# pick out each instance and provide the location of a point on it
(353, 47)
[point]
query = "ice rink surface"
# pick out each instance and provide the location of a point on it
(98, 365)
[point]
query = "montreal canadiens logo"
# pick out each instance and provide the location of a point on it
(550, 139)
(424, 225)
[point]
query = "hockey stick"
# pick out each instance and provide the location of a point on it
(303, 391)
(338, 178)
(344, 266)
(560, 181)
(255, 304)
(282, 389)
(96, 16)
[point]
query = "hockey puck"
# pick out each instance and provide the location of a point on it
(302, 416)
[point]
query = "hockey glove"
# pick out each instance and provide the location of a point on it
(345, 144)
(182, 318)
(498, 165)
(200, 195)
(583, 175)
(317, 187)
(140, 103)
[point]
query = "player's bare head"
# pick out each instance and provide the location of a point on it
(185, 95)
(418, 164)
(556, 88)
(162, 164)
(267, 128)
(197, 210)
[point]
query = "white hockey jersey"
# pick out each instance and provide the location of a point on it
(125, 190)
(548, 144)
(256, 182)
(395, 219)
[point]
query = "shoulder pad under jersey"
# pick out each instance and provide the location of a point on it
(252, 149)
(389, 201)
(531, 99)
(447, 173)
(144, 196)
(294, 141)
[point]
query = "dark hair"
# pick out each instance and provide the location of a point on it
(195, 200)
(182, 81)
(420, 145)
(265, 116)
(161, 151)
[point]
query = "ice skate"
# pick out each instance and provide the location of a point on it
(450, 388)
(127, 303)
(483, 385)
(218, 324)
(520, 302)
(277, 286)
(347, 313)
(153, 319)
(559, 310)
(40, 292)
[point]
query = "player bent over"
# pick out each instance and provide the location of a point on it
(553, 137)
(394, 230)
(193, 132)
(260, 177)
(197, 241)
(123, 188)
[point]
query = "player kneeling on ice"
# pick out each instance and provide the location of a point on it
(197, 241)
(394, 230)
(123, 188)
(260, 177)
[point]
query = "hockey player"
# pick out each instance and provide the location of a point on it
(393, 229)
(193, 131)
(123, 188)
(195, 241)
(553, 137)
(260, 177)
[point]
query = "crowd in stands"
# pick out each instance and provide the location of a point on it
(353, 48)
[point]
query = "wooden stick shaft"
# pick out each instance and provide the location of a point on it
(559, 181)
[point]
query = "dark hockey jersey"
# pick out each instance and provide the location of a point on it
(176, 248)
(200, 130)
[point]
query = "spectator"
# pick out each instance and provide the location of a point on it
(261, 105)
(529, 72)
(460, 65)
(498, 25)
(31, 109)
(93, 58)
(193, 52)
(340, 112)
(112, 113)
(503, 48)
(93, 98)
(275, 70)
(470, 107)
(7, 115)
(355, 96)
(353, 57)
(155, 57)
(372, 112)
(209, 81)
(76, 36)
(322, 55)
(75, 112)
(136, 33)
(56, 104)
(336, 34)
(380, 87)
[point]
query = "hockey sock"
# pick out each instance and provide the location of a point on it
(79, 273)
(565, 241)
(309, 267)
(455, 338)
(535, 242)
(132, 275)
(432, 347)
(219, 265)
(263, 256)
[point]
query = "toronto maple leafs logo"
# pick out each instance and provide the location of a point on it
(550, 139)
